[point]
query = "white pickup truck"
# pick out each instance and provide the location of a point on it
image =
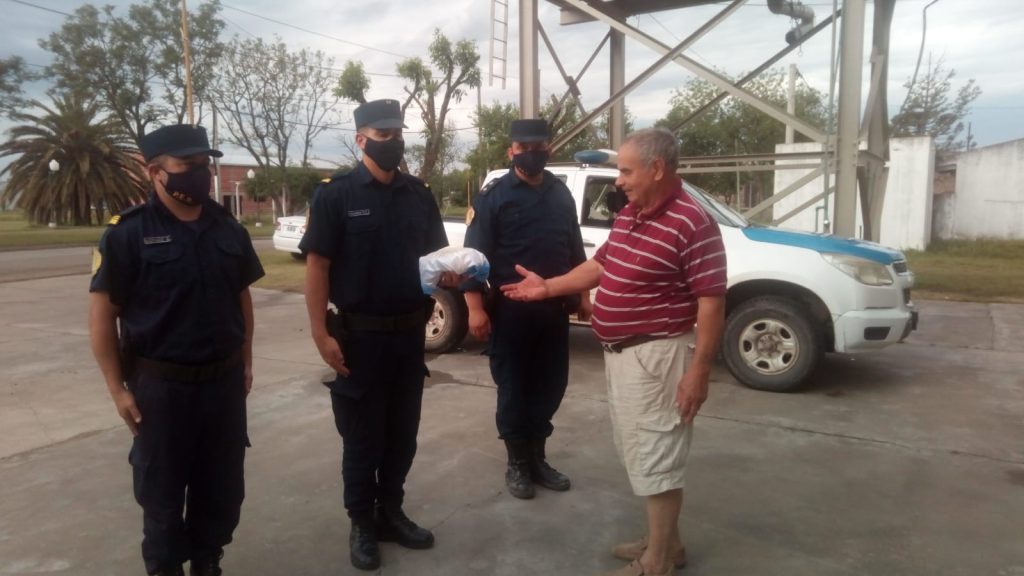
(792, 296)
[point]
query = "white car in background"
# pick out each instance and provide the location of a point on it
(288, 232)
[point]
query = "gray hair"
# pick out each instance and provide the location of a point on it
(653, 143)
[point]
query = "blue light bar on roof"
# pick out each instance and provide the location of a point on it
(602, 156)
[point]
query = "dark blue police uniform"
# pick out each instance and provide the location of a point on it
(374, 234)
(536, 227)
(178, 286)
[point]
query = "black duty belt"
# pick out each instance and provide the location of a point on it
(373, 323)
(187, 372)
(616, 347)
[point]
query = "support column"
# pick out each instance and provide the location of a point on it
(617, 118)
(851, 60)
(529, 74)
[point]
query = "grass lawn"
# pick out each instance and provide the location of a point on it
(973, 271)
(16, 232)
(283, 272)
(970, 270)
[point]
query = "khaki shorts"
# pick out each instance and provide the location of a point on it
(650, 436)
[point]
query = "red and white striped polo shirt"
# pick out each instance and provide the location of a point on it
(656, 265)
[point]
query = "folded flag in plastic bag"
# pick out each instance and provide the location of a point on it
(465, 262)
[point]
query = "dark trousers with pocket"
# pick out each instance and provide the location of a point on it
(188, 465)
(529, 353)
(377, 414)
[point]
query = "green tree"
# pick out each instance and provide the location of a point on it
(932, 109)
(490, 152)
(300, 182)
(733, 127)
(132, 63)
(12, 75)
(433, 88)
(99, 169)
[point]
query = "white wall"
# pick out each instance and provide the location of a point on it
(907, 211)
(989, 197)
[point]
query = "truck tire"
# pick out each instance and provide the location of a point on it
(447, 325)
(772, 343)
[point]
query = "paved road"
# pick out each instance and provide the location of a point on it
(904, 462)
(52, 262)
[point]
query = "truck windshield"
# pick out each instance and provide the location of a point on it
(718, 210)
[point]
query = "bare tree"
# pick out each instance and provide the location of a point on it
(258, 91)
(318, 99)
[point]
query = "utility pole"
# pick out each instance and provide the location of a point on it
(791, 102)
(188, 63)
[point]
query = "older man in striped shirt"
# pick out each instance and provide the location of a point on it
(662, 270)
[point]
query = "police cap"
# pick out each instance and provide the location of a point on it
(178, 140)
(380, 114)
(529, 130)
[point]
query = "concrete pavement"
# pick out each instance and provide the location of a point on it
(907, 461)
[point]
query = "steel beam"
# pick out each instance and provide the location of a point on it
(613, 20)
(668, 55)
(796, 185)
(617, 61)
(529, 72)
(848, 142)
(753, 74)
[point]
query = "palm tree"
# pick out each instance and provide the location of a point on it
(100, 169)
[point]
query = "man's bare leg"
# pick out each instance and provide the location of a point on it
(662, 531)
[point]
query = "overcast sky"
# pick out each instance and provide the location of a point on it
(977, 38)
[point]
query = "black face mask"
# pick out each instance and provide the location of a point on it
(190, 187)
(387, 154)
(531, 162)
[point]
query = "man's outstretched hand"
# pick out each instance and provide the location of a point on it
(532, 287)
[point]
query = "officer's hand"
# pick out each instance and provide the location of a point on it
(479, 324)
(124, 401)
(450, 280)
(330, 351)
(586, 308)
(532, 287)
(691, 393)
(248, 379)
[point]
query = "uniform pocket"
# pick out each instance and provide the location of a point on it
(162, 265)
(659, 441)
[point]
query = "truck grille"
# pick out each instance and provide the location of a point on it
(906, 296)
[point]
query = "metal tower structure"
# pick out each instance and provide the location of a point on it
(856, 151)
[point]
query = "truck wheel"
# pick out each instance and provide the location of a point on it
(771, 343)
(448, 324)
(300, 256)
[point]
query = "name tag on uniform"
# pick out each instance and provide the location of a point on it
(363, 212)
(156, 240)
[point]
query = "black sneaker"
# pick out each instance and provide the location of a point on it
(208, 566)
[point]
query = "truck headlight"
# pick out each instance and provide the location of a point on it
(860, 269)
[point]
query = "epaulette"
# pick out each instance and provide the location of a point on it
(116, 218)
(334, 177)
(487, 187)
(416, 180)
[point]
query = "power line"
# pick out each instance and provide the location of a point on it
(44, 8)
(308, 31)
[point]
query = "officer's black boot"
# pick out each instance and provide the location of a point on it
(394, 526)
(542, 473)
(206, 566)
(173, 571)
(517, 476)
(362, 545)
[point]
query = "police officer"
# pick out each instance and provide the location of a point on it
(527, 215)
(365, 234)
(175, 273)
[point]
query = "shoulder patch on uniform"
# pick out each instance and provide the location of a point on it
(469, 215)
(487, 187)
(116, 218)
(325, 180)
(97, 259)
